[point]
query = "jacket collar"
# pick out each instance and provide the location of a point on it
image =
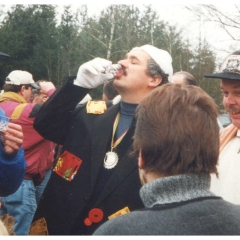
(12, 97)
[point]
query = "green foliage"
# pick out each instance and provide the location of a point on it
(31, 35)
(28, 35)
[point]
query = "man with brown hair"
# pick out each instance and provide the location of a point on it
(176, 141)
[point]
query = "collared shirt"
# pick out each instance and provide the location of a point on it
(228, 184)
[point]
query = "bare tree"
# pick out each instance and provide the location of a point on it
(228, 19)
(112, 21)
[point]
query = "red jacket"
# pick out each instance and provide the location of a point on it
(37, 150)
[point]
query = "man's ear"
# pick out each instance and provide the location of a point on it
(22, 90)
(140, 160)
(155, 81)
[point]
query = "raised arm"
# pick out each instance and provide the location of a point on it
(54, 118)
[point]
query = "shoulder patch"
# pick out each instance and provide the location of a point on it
(96, 107)
(119, 213)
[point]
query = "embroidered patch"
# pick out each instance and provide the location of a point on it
(119, 213)
(96, 107)
(67, 166)
(39, 227)
(231, 64)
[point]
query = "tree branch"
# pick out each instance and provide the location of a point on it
(96, 38)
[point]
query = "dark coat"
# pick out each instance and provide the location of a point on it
(66, 204)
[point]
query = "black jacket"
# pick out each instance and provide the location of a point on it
(65, 205)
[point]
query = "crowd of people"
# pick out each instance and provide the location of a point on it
(143, 160)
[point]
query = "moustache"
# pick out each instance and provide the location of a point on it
(232, 108)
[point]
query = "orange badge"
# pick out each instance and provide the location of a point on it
(96, 107)
(119, 213)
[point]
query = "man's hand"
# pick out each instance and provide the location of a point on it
(46, 86)
(12, 138)
(92, 74)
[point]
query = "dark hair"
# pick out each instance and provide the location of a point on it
(188, 77)
(236, 52)
(177, 131)
(155, 70)
(109, 90)
(14, 88)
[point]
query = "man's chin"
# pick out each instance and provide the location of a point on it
(236, 122)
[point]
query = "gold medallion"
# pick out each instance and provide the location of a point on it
(110, 160)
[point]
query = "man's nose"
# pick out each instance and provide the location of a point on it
(123, 63)
(230, 99)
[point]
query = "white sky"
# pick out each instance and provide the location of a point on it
(175, 13)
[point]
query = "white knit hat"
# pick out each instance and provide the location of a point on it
(161, 57)
(19, 77)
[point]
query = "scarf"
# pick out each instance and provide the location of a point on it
(12, 97)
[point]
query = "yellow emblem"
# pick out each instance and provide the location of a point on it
(119, 213)
(96, 107)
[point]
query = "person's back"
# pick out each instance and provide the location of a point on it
(175, 164)
(201, 217)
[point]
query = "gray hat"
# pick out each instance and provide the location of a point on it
(230, 69)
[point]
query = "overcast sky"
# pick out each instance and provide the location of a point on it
(175, 13)
(178, 15)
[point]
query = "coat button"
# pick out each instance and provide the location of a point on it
(95, 215)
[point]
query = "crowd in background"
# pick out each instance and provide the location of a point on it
(149, 158)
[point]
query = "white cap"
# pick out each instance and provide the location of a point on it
(19, 77)
(161, 57)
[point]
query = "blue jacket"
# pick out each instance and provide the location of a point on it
(12, 169)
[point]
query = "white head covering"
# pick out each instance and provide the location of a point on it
(19, 77)
(161, 57)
